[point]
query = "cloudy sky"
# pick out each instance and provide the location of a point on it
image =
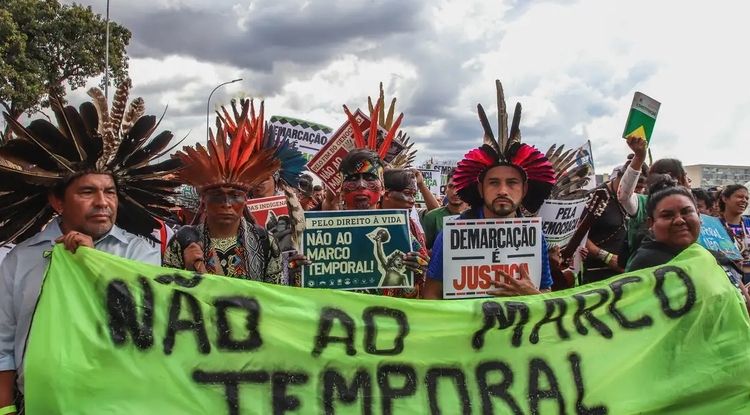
(574, 66)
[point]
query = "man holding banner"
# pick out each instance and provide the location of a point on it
(497, 180)
(76, 206)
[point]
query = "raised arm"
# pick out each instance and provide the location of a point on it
(626, 190)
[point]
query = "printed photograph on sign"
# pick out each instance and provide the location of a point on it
(357, 249)
(475, 250)
(272, 213)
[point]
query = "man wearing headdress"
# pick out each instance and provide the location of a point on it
(363, 186)
(498, 180)
(92, 185)
(226, 240)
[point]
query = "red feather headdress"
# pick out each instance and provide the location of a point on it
(535, 167)
(234, 157)
(369, 139)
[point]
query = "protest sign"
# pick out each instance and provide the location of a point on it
(357, 249)
(432, 181)
(560, 219)
(585, 156)
(145, 340)
(309, 136)
(325, 164)
(475, 249)
(272, 213)
(642, 117)
(714, 236)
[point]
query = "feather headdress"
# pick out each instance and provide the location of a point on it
(570, 178)
(535, 167)
(370, 139)
(407, 156)
(235, 156)
(286, 161)
(92, 139)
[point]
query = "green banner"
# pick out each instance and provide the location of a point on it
(116, 337)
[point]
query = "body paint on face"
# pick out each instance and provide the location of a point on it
(361, 187)
(406, 195)
(219, 197)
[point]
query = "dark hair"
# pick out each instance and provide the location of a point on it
(672, 167)
(305, 184)
(397, 179)
(317, 187)
(700, 194)
(450, 174)
(624, 168)
(728, 192)
(59, 189)
(357, 155)
(663, 186)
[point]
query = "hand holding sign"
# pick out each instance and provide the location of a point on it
(514, 287)
(638, 145)
(416, 262)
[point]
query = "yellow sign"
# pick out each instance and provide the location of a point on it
(116, 337)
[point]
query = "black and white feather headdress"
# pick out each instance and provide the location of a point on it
(92, 139)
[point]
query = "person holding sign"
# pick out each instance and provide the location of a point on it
(82, 183)
(496, 181)
(635, 204)
(227, 241)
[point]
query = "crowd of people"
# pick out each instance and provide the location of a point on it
(93, 181)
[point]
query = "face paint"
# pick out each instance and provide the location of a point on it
(218, 199)
(361, 188)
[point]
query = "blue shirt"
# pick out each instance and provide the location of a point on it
(435, 267)
(21, 276)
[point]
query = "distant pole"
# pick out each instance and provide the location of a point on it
(106, 58)
(208, 105)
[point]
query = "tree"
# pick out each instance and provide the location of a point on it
(44, 45)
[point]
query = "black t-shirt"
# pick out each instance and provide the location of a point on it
(609, 230)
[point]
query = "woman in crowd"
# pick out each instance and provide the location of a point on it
(732, 204)
(635, 204)
(673, 221)
(674, 224)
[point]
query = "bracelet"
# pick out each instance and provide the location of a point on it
(8, 410)
(602, 255)
(609, 258)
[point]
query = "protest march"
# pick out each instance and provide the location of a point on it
(340, 262)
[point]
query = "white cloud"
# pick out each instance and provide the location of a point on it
(573, 65)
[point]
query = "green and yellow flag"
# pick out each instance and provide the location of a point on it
(116, 337)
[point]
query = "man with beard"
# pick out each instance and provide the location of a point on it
(86, 176)
(432, 222)
(227, 241)
(497, 180)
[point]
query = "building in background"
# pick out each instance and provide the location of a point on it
(712, 175)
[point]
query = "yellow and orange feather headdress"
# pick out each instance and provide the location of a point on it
(235, 156)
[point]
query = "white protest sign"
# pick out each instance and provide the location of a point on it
(432, 180)
(475, 249)
(309, 136)
(561, 219)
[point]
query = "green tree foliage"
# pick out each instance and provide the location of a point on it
(44, 45)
